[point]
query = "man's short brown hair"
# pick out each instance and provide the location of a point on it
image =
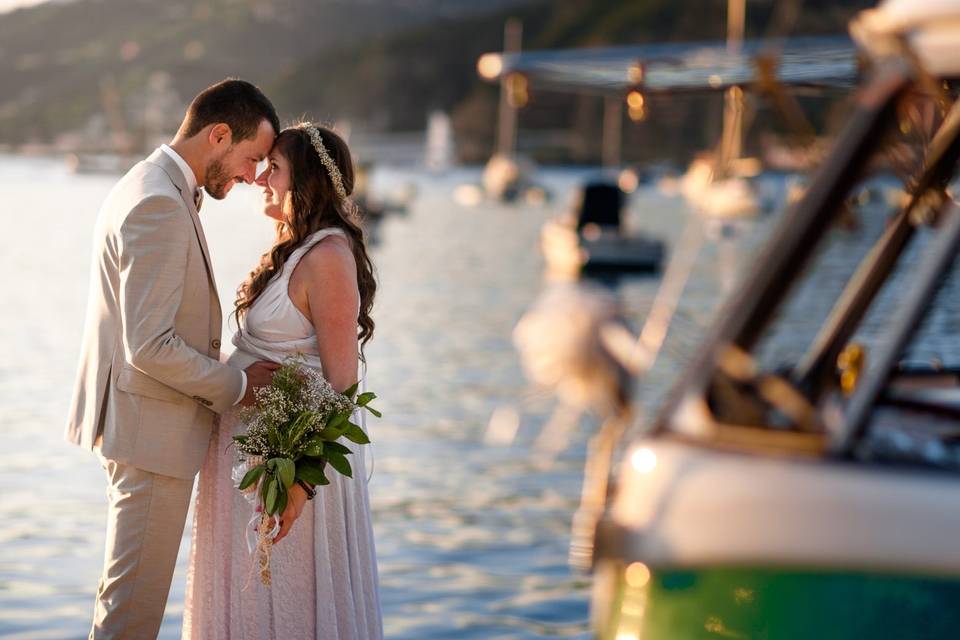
(234, 102)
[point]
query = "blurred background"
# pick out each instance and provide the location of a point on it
(477, 473)
(115, 75)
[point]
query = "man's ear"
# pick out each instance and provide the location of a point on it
(220, 134)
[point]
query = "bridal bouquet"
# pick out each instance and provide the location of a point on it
(292, 435)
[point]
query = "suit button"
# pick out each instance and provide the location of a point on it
(203, 401)
(215, 344)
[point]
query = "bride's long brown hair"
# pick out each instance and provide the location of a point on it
(313, 204)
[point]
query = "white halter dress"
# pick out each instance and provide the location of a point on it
(324, 573)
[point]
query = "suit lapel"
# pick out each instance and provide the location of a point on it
(170, 167)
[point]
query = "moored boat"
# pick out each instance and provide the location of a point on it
(818, 500)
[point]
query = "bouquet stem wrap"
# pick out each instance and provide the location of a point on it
(265, 535)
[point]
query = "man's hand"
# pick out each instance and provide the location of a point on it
(259, 374)
(296, 498)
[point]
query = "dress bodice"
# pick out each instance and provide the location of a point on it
(273, 328)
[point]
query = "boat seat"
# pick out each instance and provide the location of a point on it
(931, 27)
(600, 205)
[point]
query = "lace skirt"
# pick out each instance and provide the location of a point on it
(324, 573)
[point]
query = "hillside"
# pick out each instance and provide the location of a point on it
(54, 58)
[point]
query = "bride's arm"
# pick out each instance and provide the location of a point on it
(324, 288)
(332, 299)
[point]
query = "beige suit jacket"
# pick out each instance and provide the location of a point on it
(150, 379)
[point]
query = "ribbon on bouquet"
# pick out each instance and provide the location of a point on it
(253, 529)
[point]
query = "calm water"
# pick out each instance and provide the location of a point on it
(472, 539)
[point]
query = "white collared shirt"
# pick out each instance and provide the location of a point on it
(184, 167)
(192, 186)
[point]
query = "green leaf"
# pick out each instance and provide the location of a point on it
(332, 433)
(373, 411)
(271, 501)
(356, 434)
(338, 448)
(264, 486)
(240, 439)
(352, 390)
(311, 471)
(286, 470)
(339, 462)
(251, 476)
(274, 439)
(282, 501)
(300, 426)
(338, 419)
(364, 398)
(314, 447)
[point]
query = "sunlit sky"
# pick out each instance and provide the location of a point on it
(10, 5)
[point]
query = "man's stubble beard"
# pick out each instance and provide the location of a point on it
(217, 178)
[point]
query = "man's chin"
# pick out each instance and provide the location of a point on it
(220, 191)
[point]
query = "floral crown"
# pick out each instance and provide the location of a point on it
(335, 177)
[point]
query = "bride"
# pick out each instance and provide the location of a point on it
(310, 294)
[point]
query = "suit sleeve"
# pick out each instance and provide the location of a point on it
(153, 241)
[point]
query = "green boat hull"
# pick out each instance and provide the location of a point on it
(785, 604)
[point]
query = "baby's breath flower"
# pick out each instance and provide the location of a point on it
(297, 392)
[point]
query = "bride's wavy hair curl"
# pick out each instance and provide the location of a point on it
(313, 204)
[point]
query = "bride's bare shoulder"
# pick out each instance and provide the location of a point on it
(330, 259)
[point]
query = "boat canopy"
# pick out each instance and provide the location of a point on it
(811, 61)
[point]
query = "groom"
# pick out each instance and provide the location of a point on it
(150, 380)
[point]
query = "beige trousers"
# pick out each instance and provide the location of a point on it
(145, 518)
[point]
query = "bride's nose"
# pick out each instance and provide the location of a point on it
(261, 179)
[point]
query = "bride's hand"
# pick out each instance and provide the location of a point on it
(296, 498)
(259, 374)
